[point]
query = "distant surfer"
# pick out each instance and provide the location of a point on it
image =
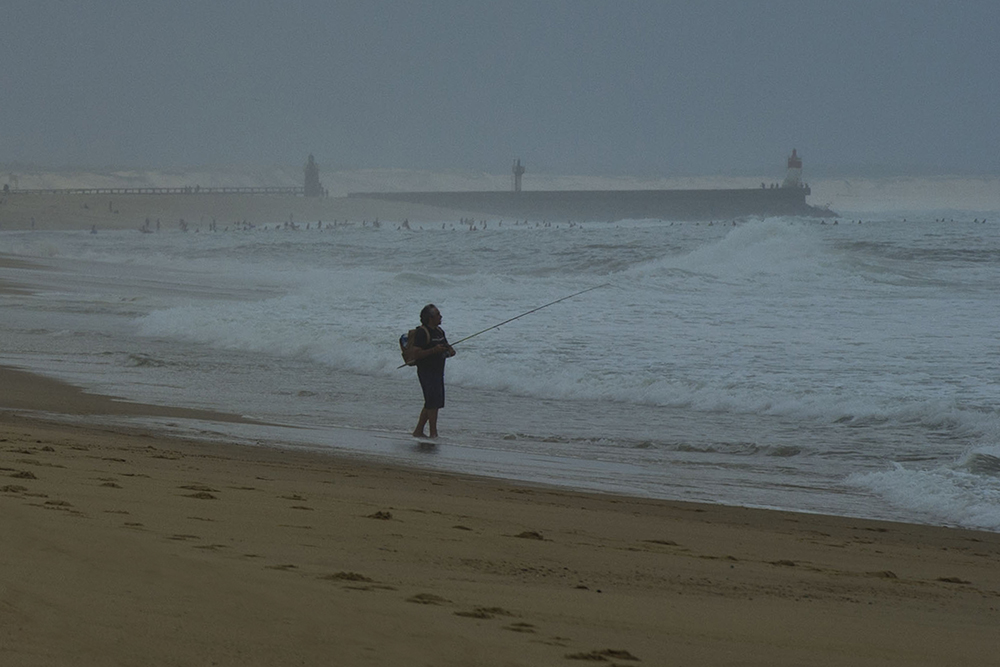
(430, 350)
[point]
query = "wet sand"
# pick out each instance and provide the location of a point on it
(126, 547)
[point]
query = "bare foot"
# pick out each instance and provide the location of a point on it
(419, 434)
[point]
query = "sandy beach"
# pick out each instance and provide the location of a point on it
(124, 547)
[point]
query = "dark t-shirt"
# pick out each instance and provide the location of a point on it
(433, 362)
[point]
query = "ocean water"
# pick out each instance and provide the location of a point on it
(786, 363)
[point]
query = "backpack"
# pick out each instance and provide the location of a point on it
(407, 347)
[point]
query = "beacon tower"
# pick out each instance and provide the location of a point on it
(518, 171)
(793, 178)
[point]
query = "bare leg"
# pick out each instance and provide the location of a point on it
(418, 432)
(432, 422)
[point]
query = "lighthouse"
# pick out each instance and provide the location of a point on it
(518, 171)
(313, 187)
(793, 179)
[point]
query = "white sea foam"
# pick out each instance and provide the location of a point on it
(966, 493)
(340, 317)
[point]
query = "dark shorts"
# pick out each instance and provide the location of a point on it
(432, 383)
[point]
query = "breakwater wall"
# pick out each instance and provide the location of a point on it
(611, 205)
(185, 190)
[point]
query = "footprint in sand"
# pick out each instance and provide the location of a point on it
(484, 612)
(355, 581)
(666, 543)
(520, 627)
(603, 655)
(62, 506)
(882, 574)
(36, 462)
(203, 492)
(530, 535)
(347, 576)
(427, 598)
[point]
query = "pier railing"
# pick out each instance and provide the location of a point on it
(186, 190)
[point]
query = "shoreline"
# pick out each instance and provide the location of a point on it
(24, 390)
(123, 543)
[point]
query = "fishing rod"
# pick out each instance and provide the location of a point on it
(529, 312)
(533, 310)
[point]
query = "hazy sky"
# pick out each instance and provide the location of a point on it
(572, 87)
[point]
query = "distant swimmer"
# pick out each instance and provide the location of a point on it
(429, 349)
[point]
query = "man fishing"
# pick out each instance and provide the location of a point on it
(429, 350)
(426, 347)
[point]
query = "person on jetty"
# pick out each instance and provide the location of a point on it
(431, 351)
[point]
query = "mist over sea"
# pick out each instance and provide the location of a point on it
(863, 195)
(826, 366)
